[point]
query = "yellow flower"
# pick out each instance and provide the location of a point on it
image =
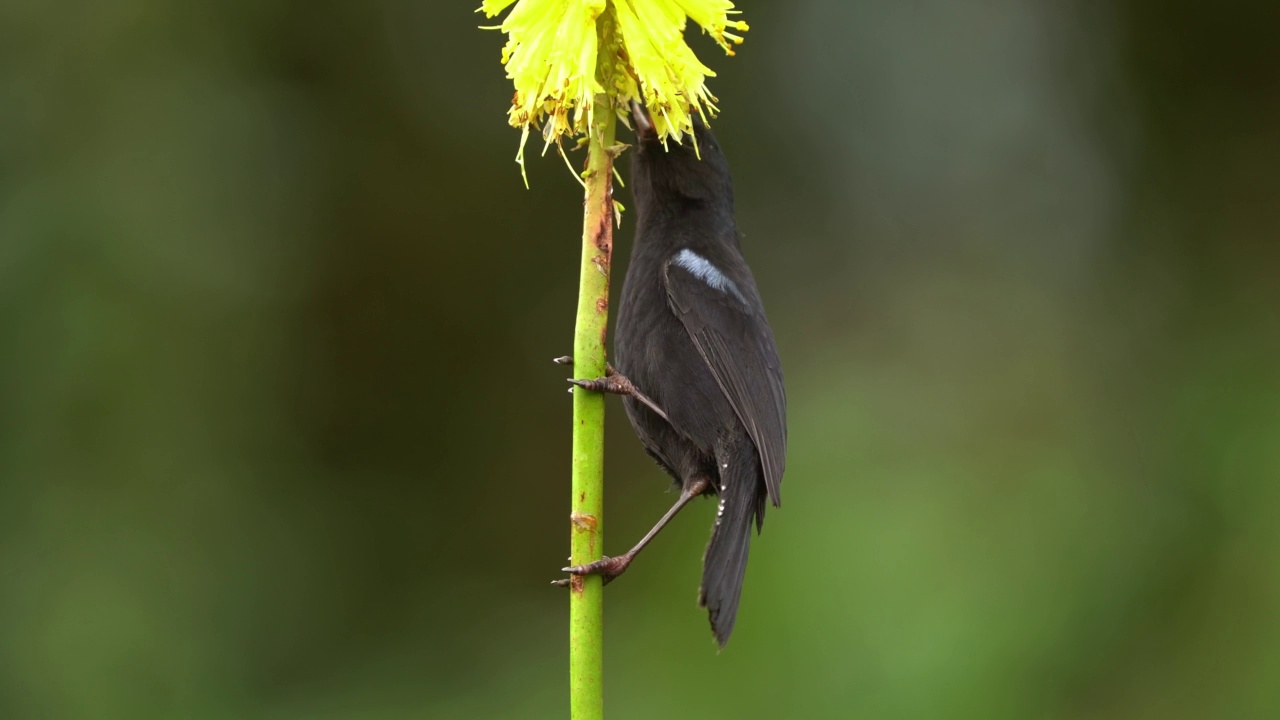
(554, 57)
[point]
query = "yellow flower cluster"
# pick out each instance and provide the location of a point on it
(552, 56)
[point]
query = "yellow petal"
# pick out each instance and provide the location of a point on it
(552, 57)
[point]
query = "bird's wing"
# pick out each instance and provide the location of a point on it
(735, 341)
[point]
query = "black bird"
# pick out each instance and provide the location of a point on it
(692, 340)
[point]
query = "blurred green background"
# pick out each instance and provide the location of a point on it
(280, 437)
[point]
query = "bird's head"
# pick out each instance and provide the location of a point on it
(694, 169)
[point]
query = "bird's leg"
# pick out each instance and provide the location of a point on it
(612, 567)
(613, 382)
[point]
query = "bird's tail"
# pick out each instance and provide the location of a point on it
(725, 564)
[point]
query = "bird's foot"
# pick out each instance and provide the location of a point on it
(615, 383)
(607, 567)
(611, 383)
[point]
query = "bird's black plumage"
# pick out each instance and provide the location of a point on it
(691, 333)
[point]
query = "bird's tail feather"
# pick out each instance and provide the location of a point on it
(725, 564)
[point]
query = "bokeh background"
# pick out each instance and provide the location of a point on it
(280, 437)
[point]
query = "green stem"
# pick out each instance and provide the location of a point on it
(586, 595)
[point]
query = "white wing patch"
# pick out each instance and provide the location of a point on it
(702, 269)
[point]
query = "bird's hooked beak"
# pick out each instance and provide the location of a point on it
(643, 121)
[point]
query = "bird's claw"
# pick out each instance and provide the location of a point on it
(568, 360)
(599, 385)
(606, 567)
(618, 384)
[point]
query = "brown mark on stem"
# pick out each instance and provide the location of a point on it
(602, 237)
(602, 305)
(604, 234)
(576, 584)
(583, 522)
